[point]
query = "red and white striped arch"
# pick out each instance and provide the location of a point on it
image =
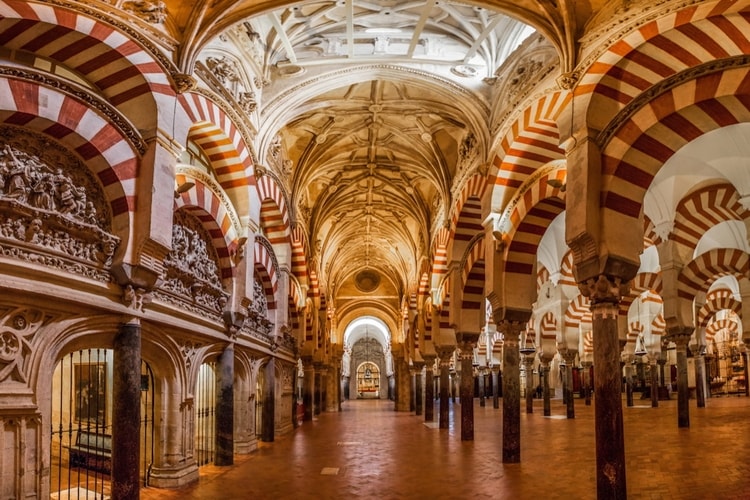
(266, 271)
(542, 277)
(299, 254)
(703, 209)
(533, 140)
(699, 273)
(661, 127)
(718, 300)
(467, 211)
(660, 49)
(578, 312)
(111, 61)
(658, 325)
(566, 270)
(103, 147)
(714, 327)
(222, 142)
(440, 256)
(527, 218)
(548, 331)
(473, 278)
(588, 344)
(214, 214)
(274, 216)
(427, 324)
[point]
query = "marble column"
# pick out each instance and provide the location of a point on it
(444, 354)
(269, 402)
(680, 336)
(403, 384)
(482, 398)
(570, 358)
(629, 370)
(699, 359)
(225, 407)
(511, 393)
(418, 388)
(654, 382)
(662, 361)
(544, 367)
(586, 365)
(495, 370)
(126, 406)
(467, 341)
(745, 368)
(308, 388)
(610, 438)
(429, 386)
(528, 363)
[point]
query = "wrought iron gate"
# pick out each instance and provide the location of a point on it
(81, 425)
(205, 415)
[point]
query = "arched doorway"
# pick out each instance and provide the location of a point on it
(368, 381)
(81, 424)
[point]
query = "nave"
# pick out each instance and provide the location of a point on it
(370, 451)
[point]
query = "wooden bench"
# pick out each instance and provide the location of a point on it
(92, 451)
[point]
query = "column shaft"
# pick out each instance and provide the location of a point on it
(429, 391)
(126, 402)
(610, 439)
(511, 395)
(467, 394)
(444, 394)
(225, 408)
(683, 408)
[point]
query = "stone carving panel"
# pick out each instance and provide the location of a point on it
(191, 275)
(52, 209)
(17, 329)
(257, 322)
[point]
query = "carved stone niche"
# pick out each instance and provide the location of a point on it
(191, 275)
(52, 208)
(257, 322)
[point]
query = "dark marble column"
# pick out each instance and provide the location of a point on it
(528, 363)
(662, 361)
(544, 370)
(587, 381)
(482, 398)
(444, 354)
(681, 336)
(467, 391)
(225, 407)
(269, 402)
(126, 407)
(418, 388)
(429, 389)
(629, 369)
(570, 358)
(308, 388)
(610, 439)
(654, 384)
(495, 370)
(700, 377)
(511, 393)
(744, 364)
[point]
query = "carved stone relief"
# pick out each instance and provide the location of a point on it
(17, 329)
(52, 210)
(257, 322)
(151, 11)
(191, 272)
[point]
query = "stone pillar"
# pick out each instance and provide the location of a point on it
(745, 368)
(610, 439)
(544, 369)
(511, 392)
(444, 354)
(482, 398)
(495, 370)
(699, 359)
(269, 402)
(418, 392)
(680, 336)
(332, 397)
(570, 358)
(467, 341)
(429, 386)
(654, 382)
(225, 408)
(528, 363)
(629, 370)
(308, 388)
(126, 407)
(586, 365)
(403, 383)
(662, 361)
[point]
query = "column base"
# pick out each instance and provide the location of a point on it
(174, 477)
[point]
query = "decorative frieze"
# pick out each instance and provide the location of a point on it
(52, 210)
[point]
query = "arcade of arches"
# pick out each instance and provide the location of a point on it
(220, 218)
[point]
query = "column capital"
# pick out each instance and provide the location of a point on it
(463, 338)
(604, 289)
(680, 335)
(444, 352)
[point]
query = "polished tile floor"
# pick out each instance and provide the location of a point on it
(370, 451)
